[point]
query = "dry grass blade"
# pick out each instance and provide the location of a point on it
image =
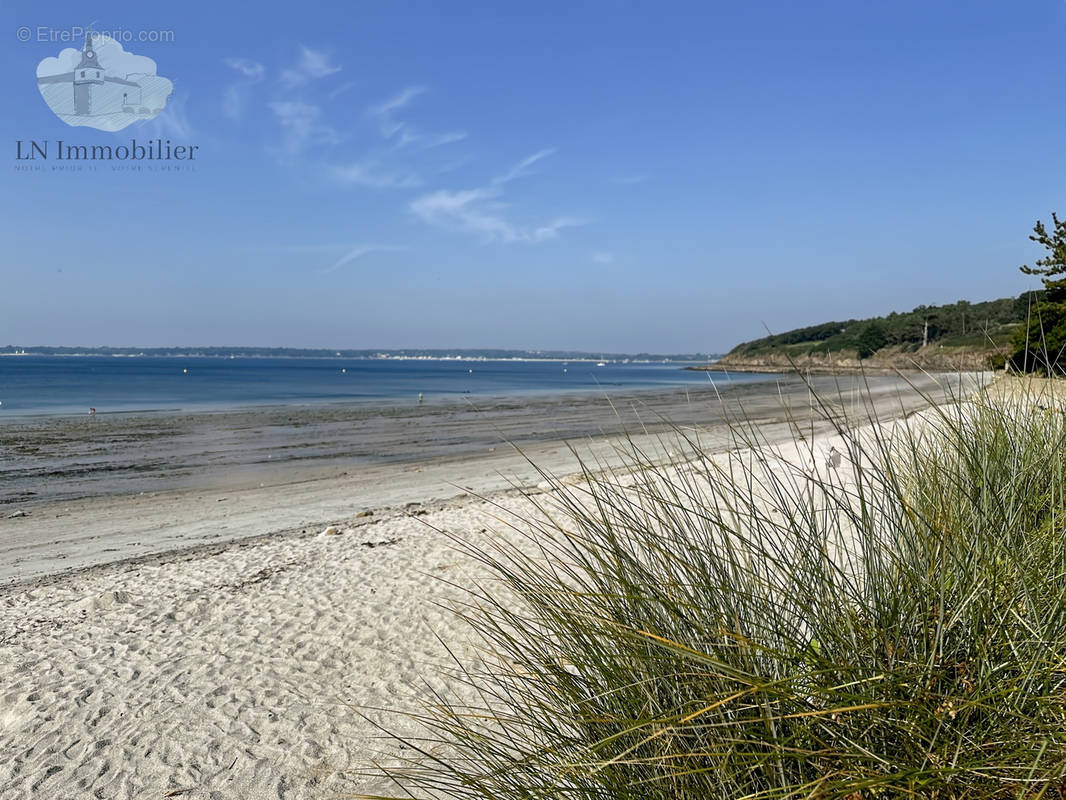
(757, 626)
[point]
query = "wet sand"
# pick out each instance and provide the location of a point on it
(81, 491)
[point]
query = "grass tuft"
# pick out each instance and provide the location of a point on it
(766, 624)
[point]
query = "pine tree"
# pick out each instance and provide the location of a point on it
(1040, 345)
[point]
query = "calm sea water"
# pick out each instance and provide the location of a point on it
(71, 384)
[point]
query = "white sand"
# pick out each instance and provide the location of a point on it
(226, 675)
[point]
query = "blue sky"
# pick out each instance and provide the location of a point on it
(607, 176)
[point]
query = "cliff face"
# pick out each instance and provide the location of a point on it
(933, 358)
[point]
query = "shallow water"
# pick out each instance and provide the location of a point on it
(73, 384)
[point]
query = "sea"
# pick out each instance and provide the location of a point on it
(68, 385)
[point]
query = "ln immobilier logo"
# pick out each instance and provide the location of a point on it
(102, 86)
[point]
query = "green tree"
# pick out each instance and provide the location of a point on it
(871, 339)
(1040, 344)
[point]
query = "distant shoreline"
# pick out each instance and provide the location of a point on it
(577, 359)
(367, 354)
(813, 370)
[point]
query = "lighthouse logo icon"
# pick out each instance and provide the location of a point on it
(102, 86)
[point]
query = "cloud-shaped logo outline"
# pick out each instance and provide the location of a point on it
(116, 88)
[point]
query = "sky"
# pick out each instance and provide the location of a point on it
(601, 176)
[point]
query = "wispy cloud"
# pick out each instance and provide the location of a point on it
(629, 180)
(372, 174)
(602, 257)
(522, 167)
(391, 165)
(402, 134)
(340, 90)
(383, 112)
(236, 97)
(252, 70)
(358, 252)
(474, 211)
(303, 122)
(428, 140)
(302, 126)
(311, 65)
(173, 121)
(482, 211)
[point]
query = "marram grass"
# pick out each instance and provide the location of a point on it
(734, 628)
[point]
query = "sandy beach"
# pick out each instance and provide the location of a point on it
(199, 606)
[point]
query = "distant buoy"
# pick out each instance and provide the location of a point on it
(343, 370)
(470, 370)
(185, 372)
(564, 369)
